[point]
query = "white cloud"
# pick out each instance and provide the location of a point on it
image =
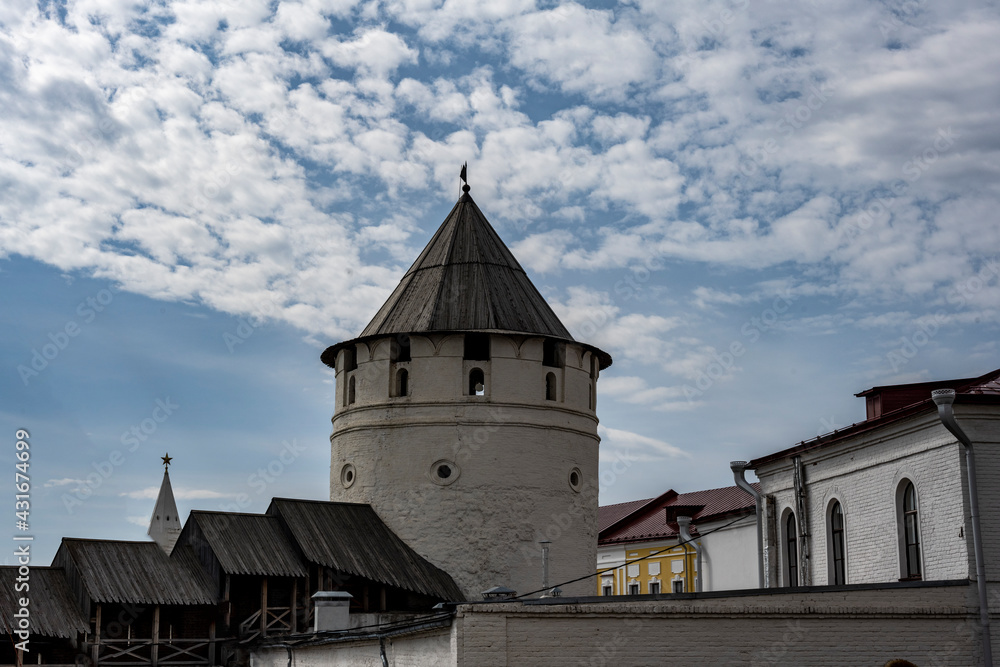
(373, 51)
(635, 446)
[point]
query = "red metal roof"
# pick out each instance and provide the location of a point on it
(643, 520)
(980, 390)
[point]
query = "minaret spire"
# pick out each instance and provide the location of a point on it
(165, 525)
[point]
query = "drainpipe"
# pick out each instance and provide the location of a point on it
(801, 495)
(684, 528)
(944, 398)
(739, 471)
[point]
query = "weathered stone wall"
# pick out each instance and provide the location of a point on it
(928, 626)
(860, 626)
(510, 453)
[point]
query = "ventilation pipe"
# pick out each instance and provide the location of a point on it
(944, 398)
(684, 528)
(739, 473)
(331, 611)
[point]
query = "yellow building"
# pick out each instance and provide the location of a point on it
(640, 551)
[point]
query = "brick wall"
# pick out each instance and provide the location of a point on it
(864, 474)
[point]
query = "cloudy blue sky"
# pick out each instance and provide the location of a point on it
(758, 208)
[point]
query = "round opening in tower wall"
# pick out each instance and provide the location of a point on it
(575, 477)
(444, 472)
(348, 475)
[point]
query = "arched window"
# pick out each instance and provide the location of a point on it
(402, 382)
(477, 382)
(550, 387)
(791, 551)
(911, 532)
(838, 562)
(350, 391)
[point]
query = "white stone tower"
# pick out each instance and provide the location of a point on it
(466, 417)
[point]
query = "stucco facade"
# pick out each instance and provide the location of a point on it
(522, 467)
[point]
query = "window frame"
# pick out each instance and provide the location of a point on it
(836, 567)
(907, 571)
(791, 549)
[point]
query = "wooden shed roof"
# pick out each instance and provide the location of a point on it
(53, 611)
(351, 538)
(246, 543)
(465, 279)
(135, 572)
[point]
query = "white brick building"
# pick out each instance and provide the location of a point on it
(866, 473)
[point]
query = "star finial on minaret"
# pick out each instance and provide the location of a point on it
(166, 460)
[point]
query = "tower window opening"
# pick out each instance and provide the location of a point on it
(477, 382)
(550, 387)
(399, 349)
(444, 471)
(477, 347)
(553, 354)
(590, 396)
(402, 382)
(350, 392)
(350, 359)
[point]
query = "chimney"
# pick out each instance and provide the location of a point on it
(331, 609)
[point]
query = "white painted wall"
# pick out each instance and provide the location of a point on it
(864, 474)
(730, 555)
(512, 453)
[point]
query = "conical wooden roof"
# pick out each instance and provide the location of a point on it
(466, 280)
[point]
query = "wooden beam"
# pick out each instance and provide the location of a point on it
(263, 606)
(96, 648)
(229, 605)
(211, 643)
(295, 606)
(154, 650)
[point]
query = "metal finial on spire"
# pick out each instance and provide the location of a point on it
(464, 175)
(166, 460)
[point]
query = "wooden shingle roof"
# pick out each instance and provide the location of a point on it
(465, 279)
(351, 538)
(254, 544)
(134, 572)
(53, 611)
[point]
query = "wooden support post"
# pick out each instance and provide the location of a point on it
(229, 605)
(295, 606)
(95, 650)
(211, 643)
(154, 650)
(263, 606)
(381, 599)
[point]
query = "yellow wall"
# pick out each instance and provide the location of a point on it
(665, 557)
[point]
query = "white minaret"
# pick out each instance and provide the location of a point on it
(164, 524)
(465, 416)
